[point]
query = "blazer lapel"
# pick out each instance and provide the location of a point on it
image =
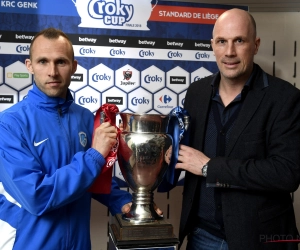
(202, 114)
(251, 103)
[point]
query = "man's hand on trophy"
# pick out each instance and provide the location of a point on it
(157, 210)
(104, 138)
(168, 155)
(191, 160)
(126, 208)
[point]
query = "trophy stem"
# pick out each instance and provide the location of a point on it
(142, 209)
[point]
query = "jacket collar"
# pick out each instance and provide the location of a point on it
(249, 84)
(251, 103)
(51, 104)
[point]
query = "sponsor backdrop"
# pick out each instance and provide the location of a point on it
(140, 55)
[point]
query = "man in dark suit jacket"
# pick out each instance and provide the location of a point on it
(243, 162)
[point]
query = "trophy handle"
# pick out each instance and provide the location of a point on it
(102, 117)
(186, 122)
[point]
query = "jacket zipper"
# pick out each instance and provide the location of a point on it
(59, 111)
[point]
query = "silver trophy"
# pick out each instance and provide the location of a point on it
(145, 148)
(141, 156)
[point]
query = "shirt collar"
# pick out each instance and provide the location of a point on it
(216, 82)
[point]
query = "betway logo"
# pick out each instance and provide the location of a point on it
(77, 78)
(202, 45)
(174, 44)
(177, 80)
(23, 37)
(146, 42)
(114, 100)
(6, 99)
(116, 41)
(86, 39)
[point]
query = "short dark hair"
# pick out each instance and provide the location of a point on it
(51, 33)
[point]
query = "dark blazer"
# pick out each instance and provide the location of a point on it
(261, 167)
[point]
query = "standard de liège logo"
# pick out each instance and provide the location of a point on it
(114, 14)
(127, 75)
(82, 139)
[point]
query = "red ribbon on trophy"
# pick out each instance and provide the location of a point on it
(102, 184)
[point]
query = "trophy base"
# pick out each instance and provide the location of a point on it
(129, 235)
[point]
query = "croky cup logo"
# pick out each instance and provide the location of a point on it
(114, 14)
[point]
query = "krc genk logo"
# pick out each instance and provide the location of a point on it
(114, 14)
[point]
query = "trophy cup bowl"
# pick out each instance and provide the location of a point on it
(141, 155)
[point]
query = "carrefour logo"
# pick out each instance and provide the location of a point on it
(165, 99)
(21, 48)
(172, 54)
(135, 101)
(112, 12)
(87, 100)
(104, 77)
(147, 53)
(87, 51)
(148, 79)
(117, 52)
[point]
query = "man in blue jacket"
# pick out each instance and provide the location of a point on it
(48, 160)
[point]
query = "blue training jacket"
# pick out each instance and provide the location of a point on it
(46, 168)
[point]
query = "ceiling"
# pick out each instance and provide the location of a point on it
(256, 5)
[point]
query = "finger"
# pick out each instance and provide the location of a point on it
(157, 210)
(184, 148)
(110, 131)
(112, 135)
(180, 158)
(105, 125)
(126, 208)
(180, 166)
